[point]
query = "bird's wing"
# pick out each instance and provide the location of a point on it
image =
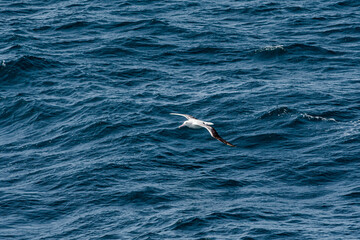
(215, 135)
(184, 115)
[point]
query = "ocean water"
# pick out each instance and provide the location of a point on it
(88, 149)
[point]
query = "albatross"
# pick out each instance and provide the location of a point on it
(192, 122)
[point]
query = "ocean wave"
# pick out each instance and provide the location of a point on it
(77, 25)
(316, 118)
(111, 51)
(259, 140)
(144, 43)
(271, 51)
(88, 149)
(277, 112)
(215, 183)
(353, 194)
(13, 70)
(310, 49)
(191, 223)
(296, 115)
(142, 73)
(346, 3)
(296, 51)
(204, 50)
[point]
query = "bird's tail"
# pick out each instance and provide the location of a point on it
(208, 123)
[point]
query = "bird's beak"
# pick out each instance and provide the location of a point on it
(181, 125)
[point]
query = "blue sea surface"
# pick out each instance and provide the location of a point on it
(88, 149)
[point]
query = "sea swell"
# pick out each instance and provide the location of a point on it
(88, 149)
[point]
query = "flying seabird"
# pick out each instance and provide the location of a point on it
(192, 122)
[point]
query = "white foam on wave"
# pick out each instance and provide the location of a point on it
(310, 117)
(271, 48)
(352, 129)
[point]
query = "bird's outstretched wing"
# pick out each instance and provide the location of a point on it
(184, 115)
(215, 135)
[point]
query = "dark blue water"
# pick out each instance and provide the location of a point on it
(88, 149)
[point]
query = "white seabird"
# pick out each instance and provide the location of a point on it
(192, 122)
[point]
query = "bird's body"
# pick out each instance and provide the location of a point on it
(194, 123)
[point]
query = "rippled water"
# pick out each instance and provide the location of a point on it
(88, 149)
